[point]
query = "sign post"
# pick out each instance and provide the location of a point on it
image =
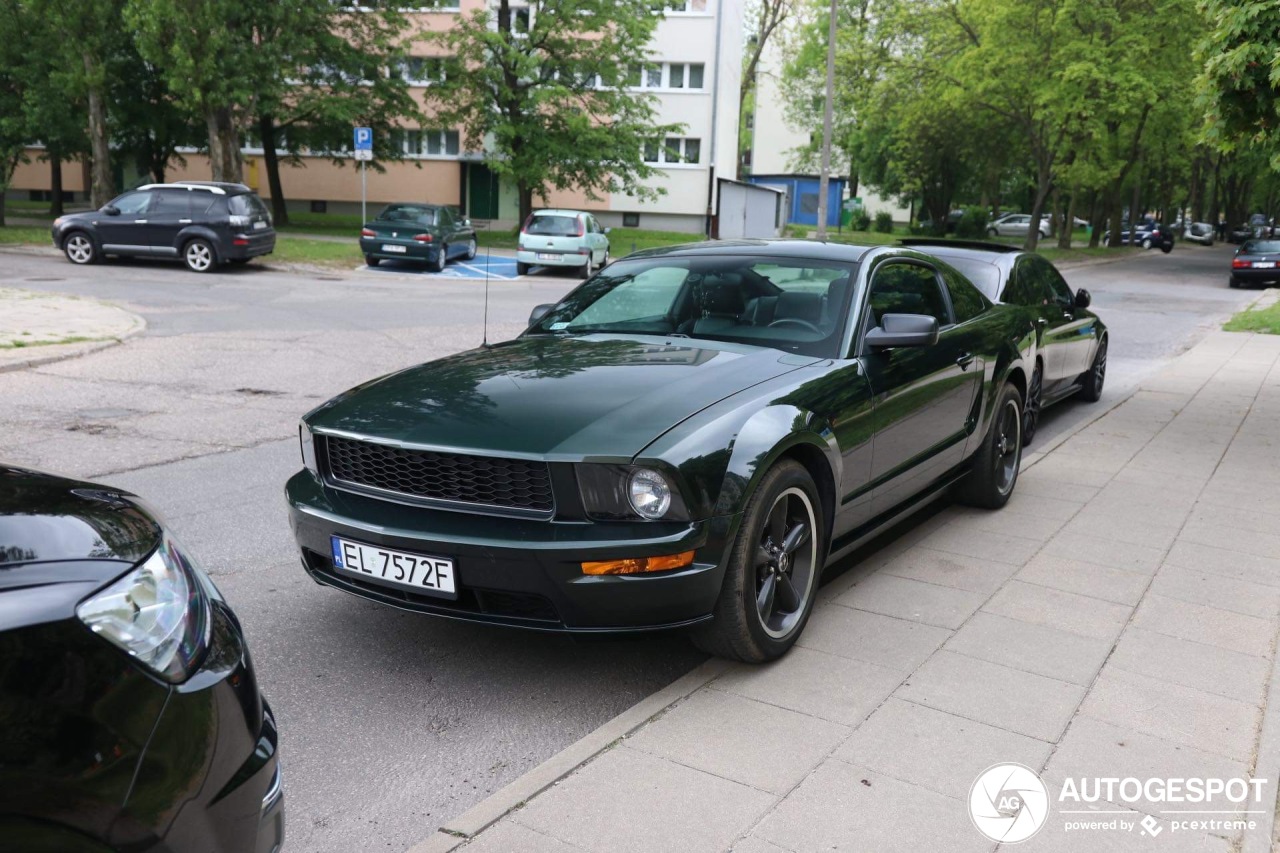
(364, 153)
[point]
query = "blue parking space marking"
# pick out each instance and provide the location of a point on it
(499, 269)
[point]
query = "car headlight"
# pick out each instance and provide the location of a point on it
(308, 444)
(624, 492)
(157, 613)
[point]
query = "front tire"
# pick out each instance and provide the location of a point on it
(1091, 383)
(772, 571)
(1146, 243)
(79, 249)
(199, 256)
(995, 465)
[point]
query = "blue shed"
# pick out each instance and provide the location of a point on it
(802, 192)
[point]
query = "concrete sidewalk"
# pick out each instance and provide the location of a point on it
(39, 328)
(1117, 619)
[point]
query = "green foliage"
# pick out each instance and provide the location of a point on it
(973, 223)
(861, 220)
(552, 95)
(1264, 320)
(1240, 80)
(884, 222)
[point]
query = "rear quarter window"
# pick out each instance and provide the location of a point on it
(966, 301)
(246, 204)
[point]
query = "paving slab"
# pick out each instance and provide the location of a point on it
(1205, 624)
(1030, 647)
(896, 644)
(945, 569)
(931, 604)
(1215, 670)
(1040, 605)
(1115, 585)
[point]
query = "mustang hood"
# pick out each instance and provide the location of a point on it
(552, 397)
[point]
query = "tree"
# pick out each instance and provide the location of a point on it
(1240, 81)
(547, 89)
(764, 18)
(338, 70)
(13, 124)
(149, 124)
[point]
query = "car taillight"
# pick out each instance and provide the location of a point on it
(1238, 264)
(367, 232)
(239, 241)
(423, 238)
(525, 226)
(582, 228)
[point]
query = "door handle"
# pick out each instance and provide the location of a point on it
(965, 360)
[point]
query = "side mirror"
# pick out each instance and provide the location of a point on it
(538, 312)
(1082, 298)
(904, 330)
(608, 230)
(466, 223)
(111, 210)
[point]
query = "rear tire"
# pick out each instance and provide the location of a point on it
(1234, 282)
(1146, 243)
(471, 250)
(522, 269)
(1032, 405)
(1091, 383)
(589, 268)
(442, 258)
(772, 572)
(371, 261)
(995, 465)
(79, 249)
(199, 256)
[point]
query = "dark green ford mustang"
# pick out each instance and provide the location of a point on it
(685, 440)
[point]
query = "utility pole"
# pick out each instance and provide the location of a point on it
(824, 179)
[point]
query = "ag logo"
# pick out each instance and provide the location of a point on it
(1008, 803)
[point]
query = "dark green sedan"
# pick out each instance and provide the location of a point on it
(685, 441)
(428, 234)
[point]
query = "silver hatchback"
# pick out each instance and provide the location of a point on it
(562, 238)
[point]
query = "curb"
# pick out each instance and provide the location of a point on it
(139, 326)
(458, 831)
(497, 805)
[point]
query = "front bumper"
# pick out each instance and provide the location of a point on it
(567, 259)
(519, 572)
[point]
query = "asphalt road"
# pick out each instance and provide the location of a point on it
(390, 722)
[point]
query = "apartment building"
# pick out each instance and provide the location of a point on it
(693, 70)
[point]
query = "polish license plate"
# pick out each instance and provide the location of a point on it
(1264, 265)
(418, 572)
(394, 249)
(260, 225)
(550, 256)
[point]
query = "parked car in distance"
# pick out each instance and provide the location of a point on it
(1016, 225)
(562, 238)
(430, 234)
(1148, 233)
(953, 219)
(1255, 262)
(132, 716)
(1070, 353)
(684, 441)
(205, 224)
(1199, 232)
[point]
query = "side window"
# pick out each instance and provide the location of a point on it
(1057, 285)
(966, 301)
(1030, 287)
(907, 289)
(172, 203)
(132, 204)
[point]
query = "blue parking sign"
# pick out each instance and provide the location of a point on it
(364, 139)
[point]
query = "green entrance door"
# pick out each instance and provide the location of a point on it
(482, 192)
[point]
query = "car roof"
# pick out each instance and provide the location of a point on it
(215, 187)
(559, 211)
(779, 248)
(997, 254)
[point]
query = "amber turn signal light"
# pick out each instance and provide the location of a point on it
(638, 565)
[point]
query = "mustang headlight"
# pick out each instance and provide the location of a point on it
(629, 492)
(158, 613)
(308, 448)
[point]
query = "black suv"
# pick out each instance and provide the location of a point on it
(204, 223)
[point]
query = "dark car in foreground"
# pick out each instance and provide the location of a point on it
(204, 224)
(1070, 354)
(685, 440)
(429, 234)
(131, 715)
(1256, 262)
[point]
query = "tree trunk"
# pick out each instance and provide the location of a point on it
(101, 188)
(1044, 184)
(1069, 224)
(55, 183)
(1135, 212)
(525, 195)
(224, 146)
(279, 210)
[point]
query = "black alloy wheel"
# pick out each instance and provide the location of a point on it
(994, 469)
(1091, 383)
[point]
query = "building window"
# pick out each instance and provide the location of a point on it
(422, 70)
(426, 143)
(666, 75)
(677, 7)
(318, 206)
(674, 149)
(630, 220)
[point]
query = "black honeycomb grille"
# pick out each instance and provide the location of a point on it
(515, 484)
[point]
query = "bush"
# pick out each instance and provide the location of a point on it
(973, 223)
(861, 220)
(884, 222)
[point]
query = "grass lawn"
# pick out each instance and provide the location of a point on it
(14, 234)
(293, 249)
(1265, 320)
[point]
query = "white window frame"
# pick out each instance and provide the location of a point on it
(665, 77)
(424, 136)
(682, 144)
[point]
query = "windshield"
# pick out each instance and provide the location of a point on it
(415, 213)
(553, 226)
(1260, 247)
(792, 305)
